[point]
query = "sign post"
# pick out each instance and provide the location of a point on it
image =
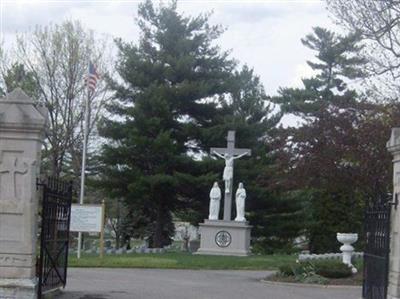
(103, 209)
(88, 218)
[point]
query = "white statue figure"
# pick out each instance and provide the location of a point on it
(228, 170)
(215, 199)
(240, 201)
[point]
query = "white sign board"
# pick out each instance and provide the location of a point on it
(86, 218)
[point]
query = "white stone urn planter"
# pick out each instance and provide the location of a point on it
(347, 250)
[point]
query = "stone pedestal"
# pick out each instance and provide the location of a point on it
(18, 288)
(220, 237)
(347, 250)
(21, 135)
(394, 259)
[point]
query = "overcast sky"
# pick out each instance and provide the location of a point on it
(263, 34)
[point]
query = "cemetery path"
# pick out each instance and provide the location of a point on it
(100, 283)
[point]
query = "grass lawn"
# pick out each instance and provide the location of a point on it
(177, 260)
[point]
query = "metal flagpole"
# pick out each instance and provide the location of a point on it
(85, 137)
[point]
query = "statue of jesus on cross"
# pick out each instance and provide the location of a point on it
(228, 170)
(229, 154)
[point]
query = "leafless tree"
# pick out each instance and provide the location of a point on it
(4, 65)
(58, 56)
(378, 23)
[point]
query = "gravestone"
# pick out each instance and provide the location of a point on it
(21, 134)
(226, 237)
(108, 244)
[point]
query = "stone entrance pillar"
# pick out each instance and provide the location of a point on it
(21, 134)
(393, 146)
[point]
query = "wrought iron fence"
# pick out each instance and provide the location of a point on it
(54, 238)
(377, 247)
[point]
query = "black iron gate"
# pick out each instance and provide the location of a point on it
(54, 238)
(377, 247)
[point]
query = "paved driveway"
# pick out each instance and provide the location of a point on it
(187, 284)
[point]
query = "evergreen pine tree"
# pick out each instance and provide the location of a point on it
(318, 160)
(337, 62)
(171, 81)
(18, 76)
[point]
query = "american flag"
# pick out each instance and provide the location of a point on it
(92, 78)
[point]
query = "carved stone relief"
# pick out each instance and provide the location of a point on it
(13, 260)
(12, 169)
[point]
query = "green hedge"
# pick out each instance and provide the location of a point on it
(326, 268)
(286, 270)
(332, 269)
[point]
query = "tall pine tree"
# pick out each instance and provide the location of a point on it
(171, 81)
(337, 61)
(320, 160)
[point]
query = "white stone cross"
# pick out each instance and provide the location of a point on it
(230, 153)
(8, 171)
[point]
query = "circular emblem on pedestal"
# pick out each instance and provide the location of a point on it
(223, 238)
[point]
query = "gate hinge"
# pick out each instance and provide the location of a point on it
(395, 203)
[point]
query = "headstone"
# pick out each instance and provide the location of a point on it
(227, 237)
(108, 244)
(21, 135)
(393, 146)
(194, 245)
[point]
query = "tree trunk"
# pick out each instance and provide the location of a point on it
(54, 165)
(158, 233)
(117, 240)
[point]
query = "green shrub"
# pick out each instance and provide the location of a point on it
(332, 269)
(305, 272)
(286, 270)
(303, 269)
(315, 278)
(296, 269)
(316, 271)
(359, 264)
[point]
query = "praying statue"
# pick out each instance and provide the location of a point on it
(215, 199)
(228, 170)
(240, 201)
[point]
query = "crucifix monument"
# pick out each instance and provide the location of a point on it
(226, 237)
(229, 154)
